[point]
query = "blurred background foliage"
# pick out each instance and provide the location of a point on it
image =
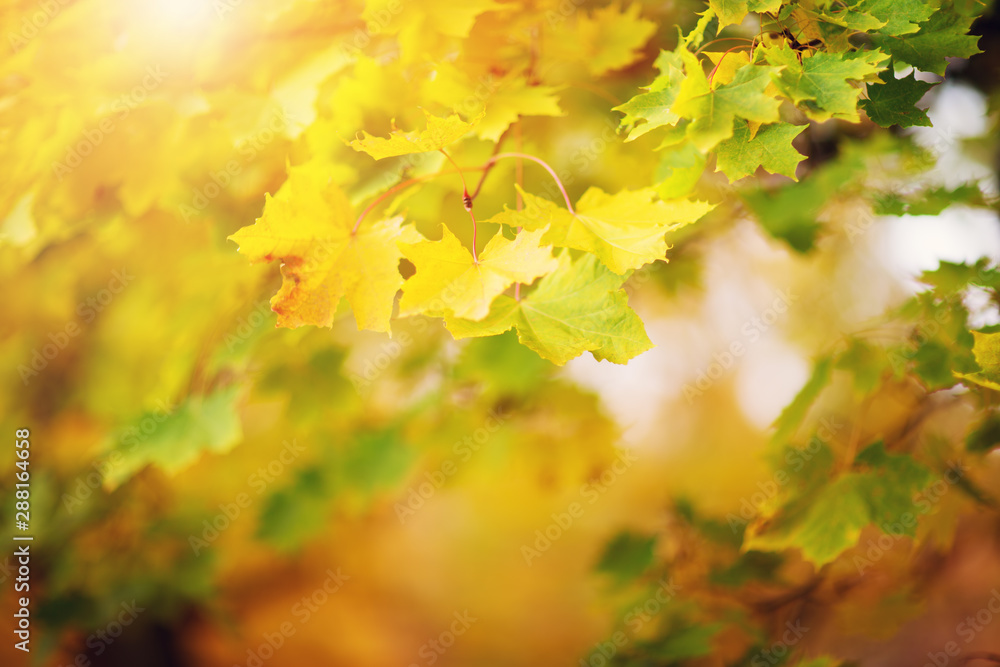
(192, 458)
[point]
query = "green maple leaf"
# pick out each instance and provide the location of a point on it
(929, 201)
(854, 17)
(820, 83)
(201, 424)
(901, 16)
(627, 556)
(795, 412)
(734, 11)
(827, 517)
(886, 17)
(706, 20)
(678, 171)
(771, 148)
(652, 108)
(893, 102)
(764, 5)
(625, 230)
(713, 110)
(822, 524)
(789, 213)
(577, 308)
(889, 483)
(729, 11)
(986, 350)
(356, 473)
(292, 515)
(944, 35)
(951, 278)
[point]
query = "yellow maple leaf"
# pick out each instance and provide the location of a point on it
(610, 38)
(449, 280)
(439, 133)
(726, 63)
(625, 230)
(425, 27)
(308, 225)
(501, 100)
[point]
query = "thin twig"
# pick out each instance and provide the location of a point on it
(400, 186)
(545, 165)
(486, 169)
(467, 203)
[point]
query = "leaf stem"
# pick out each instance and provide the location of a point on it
(465, 186)
(486, 170)
(401, 186)
(525, 156)
(467, 203)
(466, 197)
(721, 39)
(723, 57)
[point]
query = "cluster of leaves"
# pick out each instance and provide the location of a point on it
(835, 475)
(837, 478)
(889, 482)
(813, 58)
(578, 305)
(818, 58)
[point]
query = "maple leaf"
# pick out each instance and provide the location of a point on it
(732, 12)
(729, 11)
(611, 39)
(420, 25)
(308, 226)
(887, 17)
(678, 171)
(439, 133)
(513, 100)
(653, 106)
(828, 518)
(820, 83)
(706, 20)
(577, 308)
(822, 528)
(853, 18)
(501, 101)
(725, 64)
(625, 230)
(368, 88)
(450, 280)
(713, 110)
(944, 35)
(201, 424)
(986, 349)
(894, 101)
(770, 148)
